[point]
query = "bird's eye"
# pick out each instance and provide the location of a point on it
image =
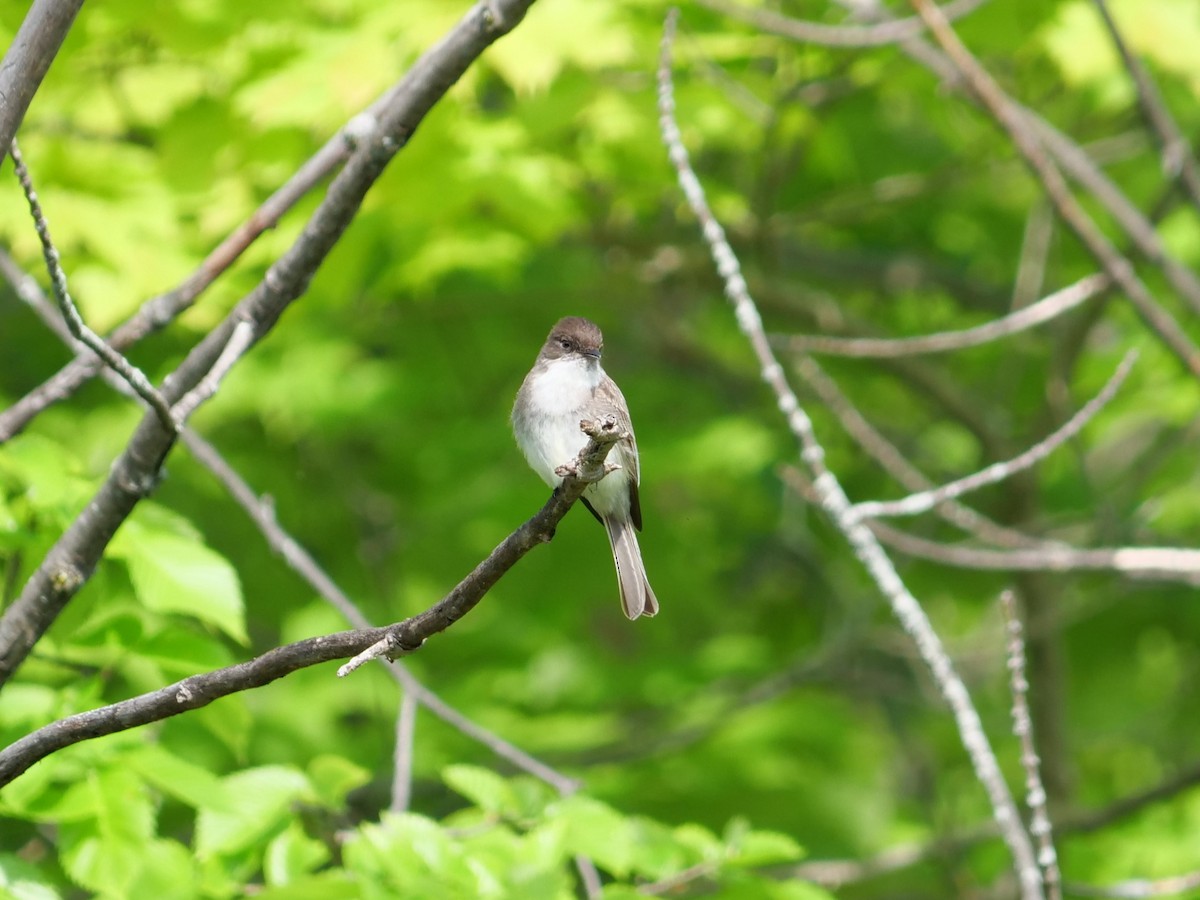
(565, 344)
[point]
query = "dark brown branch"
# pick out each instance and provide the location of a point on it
(307, 568)
(262, 514)
(587, 468)
(73, 558)
(402, 637)
(28, 59)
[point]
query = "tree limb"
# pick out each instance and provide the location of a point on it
(833, 497)
(28, 59)
(403, 637)
(73, 558)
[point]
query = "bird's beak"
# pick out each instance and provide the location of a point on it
(594, 354)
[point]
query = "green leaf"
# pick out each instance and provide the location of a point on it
(105, 853)
(332, 885)
(262, 801)
(292, 855)
(168, 872)
(484, 788)
(764, 848)
(597, 831)
(177, 574)
(333, 777)
(183, 780)
(20, 880)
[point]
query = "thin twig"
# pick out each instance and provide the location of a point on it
(915, 504)
(402, 637)
(1155, 563)
(262, 513)
(1035, 248)
(403, 754)
(1138, 888)
(833, 498)
(239, 342)
(878, 35)
(1177, 159)
(835, 873)
(1028, 140)
(1083, 169)
(70, 562)
(157, 312)
(589, 877)
(1035, 793)
(58, 283)
(1044, 310)
(897, 465)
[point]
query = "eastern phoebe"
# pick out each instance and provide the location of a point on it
(566, 385)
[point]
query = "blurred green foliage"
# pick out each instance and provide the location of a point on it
(773, 710)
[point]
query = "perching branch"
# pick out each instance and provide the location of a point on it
(28, 59)
(588, 467)
(834, 500)
(73, 558)
(262, 513)
(135, 377)
(403, 637)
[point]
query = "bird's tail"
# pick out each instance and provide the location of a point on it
(636, 594)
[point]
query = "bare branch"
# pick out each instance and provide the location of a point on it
(915, 504)
(834, 500)
(835, 35)
(239, 342)
(1076, 163)
(834, 873)
(589, 877)
(1177, 159)
(402, 762)
(1027, 137)
(1139, 888)
(402, 637)
(262, 513)
(895, 464)
(587, 468)
(79, 329)
(157, 312)
(28, 59)
(1044, 310)
(1035, 248)
(1035, 794)
(71, 561)
(1156, 563)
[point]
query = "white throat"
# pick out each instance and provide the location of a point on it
(564, 385)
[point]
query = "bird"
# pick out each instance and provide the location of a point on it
(566, 385)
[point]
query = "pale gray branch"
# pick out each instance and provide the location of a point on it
(915, 504)
(1044, 310)
(833, 498)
